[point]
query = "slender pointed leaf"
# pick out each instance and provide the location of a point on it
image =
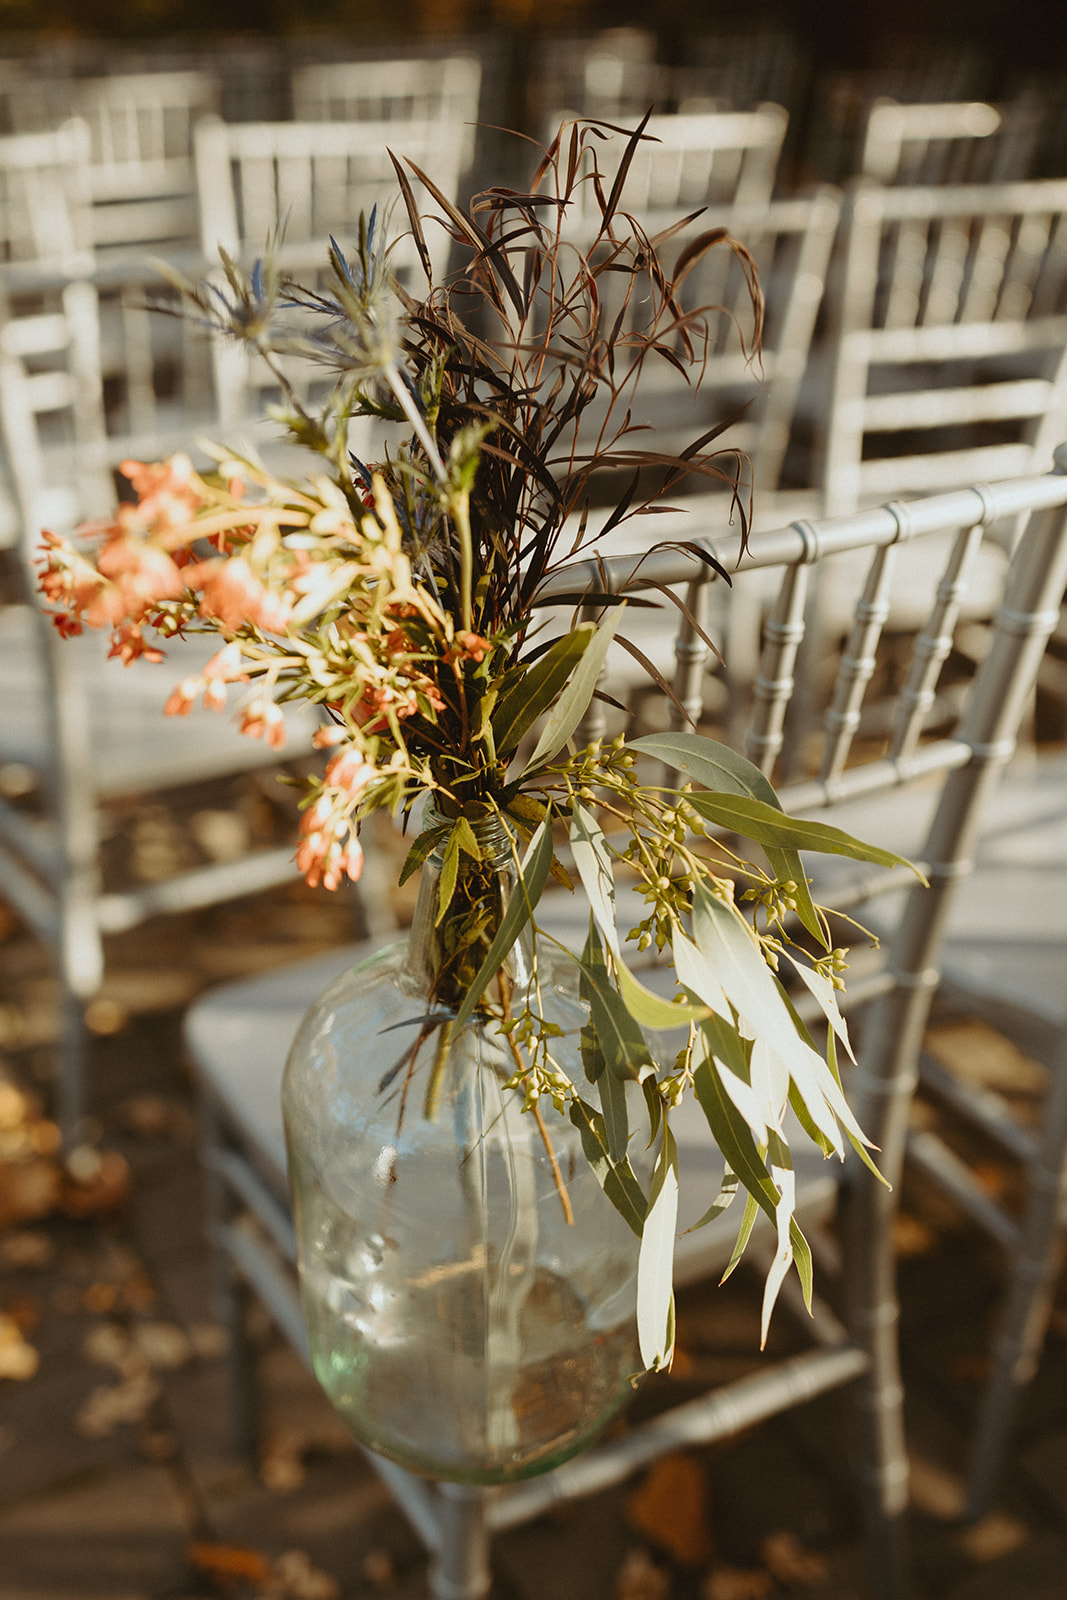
(572, 704)
(655, 1262)
(767, 824)
(518, 709)
(532, 879)
(616, 1178)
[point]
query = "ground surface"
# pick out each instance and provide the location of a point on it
(117, 1476)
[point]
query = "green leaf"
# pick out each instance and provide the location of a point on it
(733, 1136)
(423, 846)
(616, 1178)
(722, 1202)
(594, 865)
(802, 1260)
(533, 875)
(652, 1010)
(744, 1234)
(466, 840)
(723, 771)
(616, 1122)
(770, 825)
(592, 1055)
(518, 709)
(449, 874)
(727, 956)
(594, 868)
(571, 706)
(655, 1262)
(714, 765)
(621, 1041)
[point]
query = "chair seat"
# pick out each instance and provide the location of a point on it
(1007, 929)
(134, 746)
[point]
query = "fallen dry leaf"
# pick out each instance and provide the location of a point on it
(153, 1116)
(19, 1361)
(737, 1583)
(911, 1237)
(230, 1566)
(281, 1467)
(379, 1568)
(791, 1563)
(163, 1344)
(210, 1340)
(639, 1578)
(670, 1507)
(993, 1537)
(116, 1405)
(29, 1189)
(97, 1183)
(27, 1250)
(293, 1577)
(108, 1344)
(934, 1490)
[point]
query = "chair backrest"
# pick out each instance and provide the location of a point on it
(950, 338)
(708, 158)
(403, 89)
(790, 242)
(141, 165)
(45, 198)
(52, 417)
(954, 141)
(311, 180)
(612, 74)
(740, 70)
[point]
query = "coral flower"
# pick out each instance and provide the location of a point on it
(263, 719)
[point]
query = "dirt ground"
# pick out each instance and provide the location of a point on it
(118, 1479)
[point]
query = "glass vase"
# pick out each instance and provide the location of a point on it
(469, 1291)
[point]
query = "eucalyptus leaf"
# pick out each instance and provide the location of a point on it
(572, 704)
(744, 1234)
(616, 1178)
(722, 771)
(652, 1010)
(594, 865)
(728, 957)
(785, 1181)
(824, 994)
(733, 1136)
(518, 709)
(770, 825)
(423, 846)
(594, 868)
(449, 874)
(655, 1262)
(723, 1200)
(621, 1041)
(613, 1105)
(533, 875)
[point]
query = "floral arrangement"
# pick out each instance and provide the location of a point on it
(401, 597)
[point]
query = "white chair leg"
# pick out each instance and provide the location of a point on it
(1026, 1316)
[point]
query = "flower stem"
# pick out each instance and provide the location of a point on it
(461, 507)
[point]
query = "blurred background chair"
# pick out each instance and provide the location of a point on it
(78, 731)
(705, 159)
(141, 175)
(303, 182)
(405, 89)
(238, 1034)
(955, 141)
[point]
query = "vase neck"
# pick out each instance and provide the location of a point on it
(449, 943)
